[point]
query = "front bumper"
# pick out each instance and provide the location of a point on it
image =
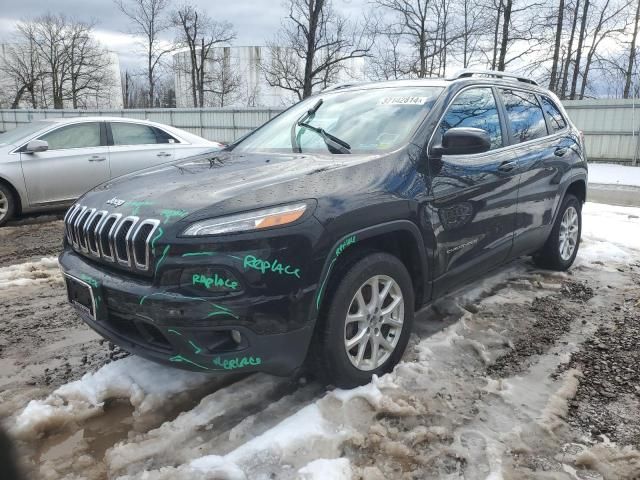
(195, 333)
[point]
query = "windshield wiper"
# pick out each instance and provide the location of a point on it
(333, 143)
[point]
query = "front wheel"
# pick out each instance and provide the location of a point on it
(368, 322)
(561, 247)
(7, 204)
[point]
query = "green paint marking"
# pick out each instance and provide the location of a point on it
(90, 280)
(164, 255)
(139, 204)
(323, 282)
(196, 348)
(238, 362)
(175, 332)
(273, 266)
(180, 358)
(220, 309)
(154, 239)
(348, 241)
(233, 256)
(168, 214)
(216, 281)
(199, 254)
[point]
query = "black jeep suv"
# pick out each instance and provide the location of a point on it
(320, 234)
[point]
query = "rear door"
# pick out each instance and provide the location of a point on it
(76, 161)
(542, 142)
(474, 205)
(134, 146)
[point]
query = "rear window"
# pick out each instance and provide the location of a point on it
(525, 115)
(556, 120)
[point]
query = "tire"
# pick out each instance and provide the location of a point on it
(332, 361)
(7, 204)
(555, 255)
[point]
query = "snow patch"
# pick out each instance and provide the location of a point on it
(23, 274)
(612, 174)
(145, 384)
(321, 469)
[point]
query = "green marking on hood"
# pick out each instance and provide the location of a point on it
(168, 214)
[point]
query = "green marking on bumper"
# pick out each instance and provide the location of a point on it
(164, 255)
(199, 254)
(181, 359)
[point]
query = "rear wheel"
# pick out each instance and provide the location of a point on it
(7, 204)
(561, 248)
(367, 323)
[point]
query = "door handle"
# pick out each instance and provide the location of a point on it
(163, 154)
(507, 166)
(560, 151)
(97, 158)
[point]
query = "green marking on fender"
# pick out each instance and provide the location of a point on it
(164, 255)
(322, 284)
(168, 214)
(154, 239)
(199, 254)
(180, 358)
(348, 241)
(238, 362)
(196, 348)
(175, 332)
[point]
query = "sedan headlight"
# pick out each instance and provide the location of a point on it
(256, 220)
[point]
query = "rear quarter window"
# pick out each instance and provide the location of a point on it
(524, 114)
(556, 120)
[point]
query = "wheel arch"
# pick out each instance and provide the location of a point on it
(401, 238)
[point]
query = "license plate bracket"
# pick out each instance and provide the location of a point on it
(80, 295)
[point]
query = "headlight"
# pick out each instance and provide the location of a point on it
(256, 220)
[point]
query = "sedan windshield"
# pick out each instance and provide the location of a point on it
(16, 135)
(368, 121)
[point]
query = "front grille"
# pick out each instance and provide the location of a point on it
(124, 241)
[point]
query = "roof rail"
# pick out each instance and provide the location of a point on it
(339, 86)
(491, 73)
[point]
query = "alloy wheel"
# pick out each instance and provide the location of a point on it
(568, 233)
(4, 205)
(374, 322)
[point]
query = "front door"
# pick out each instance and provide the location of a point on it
(76, 161)
(475, 196)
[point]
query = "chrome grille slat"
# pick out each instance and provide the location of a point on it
(111, 237)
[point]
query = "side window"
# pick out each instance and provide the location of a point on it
(132, 134)
(476, 108)
(556, 120)
(525, 115)
(164, 137)
(82, 135)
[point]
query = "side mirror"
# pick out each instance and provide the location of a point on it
(463, 141)
(35, 146)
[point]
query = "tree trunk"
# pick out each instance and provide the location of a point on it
(18, 97)
(632, 54)
(496, 31)
(315, 8)
(565, 73)
(505, 35)
(581, 35)
(556, 49)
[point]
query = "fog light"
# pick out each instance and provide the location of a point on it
(235, 334)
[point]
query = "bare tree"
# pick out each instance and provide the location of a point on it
(22, 66)
(199, 34)
(149, 20)
(312, 46)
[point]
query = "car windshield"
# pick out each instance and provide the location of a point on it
(369, 121)
(15, 135)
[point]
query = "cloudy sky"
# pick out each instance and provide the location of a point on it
(256, 21)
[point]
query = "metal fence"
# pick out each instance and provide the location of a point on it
(611, 127)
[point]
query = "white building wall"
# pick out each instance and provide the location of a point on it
(254, 90)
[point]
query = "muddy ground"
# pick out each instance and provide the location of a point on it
(568, 340)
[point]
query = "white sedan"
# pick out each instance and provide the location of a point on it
(48, 164)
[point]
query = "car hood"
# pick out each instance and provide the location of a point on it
(215, 184)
